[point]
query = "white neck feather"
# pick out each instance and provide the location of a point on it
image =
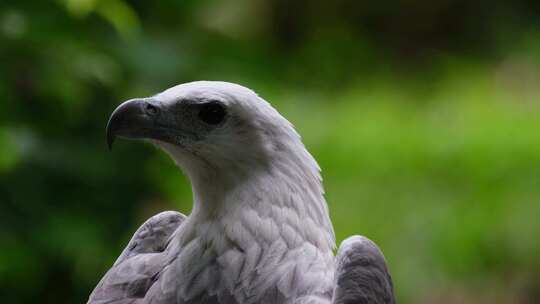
(286, 189)
(262, 209)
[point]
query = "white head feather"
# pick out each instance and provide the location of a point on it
(257, 191)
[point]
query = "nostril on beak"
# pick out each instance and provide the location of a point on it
(150, 109)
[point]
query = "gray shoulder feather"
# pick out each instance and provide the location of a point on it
(138, 266)
(362, 276)
(153, 235)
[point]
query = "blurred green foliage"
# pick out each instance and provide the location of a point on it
(424, 116)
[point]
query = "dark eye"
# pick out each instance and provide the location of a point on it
(212, 113)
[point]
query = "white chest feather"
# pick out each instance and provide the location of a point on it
(254, 258)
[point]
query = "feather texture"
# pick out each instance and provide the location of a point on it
(362, 276)
(260, 230)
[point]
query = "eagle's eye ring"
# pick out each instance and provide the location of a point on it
(212, 113)
(151, 109)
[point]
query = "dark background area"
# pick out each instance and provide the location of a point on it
(424, 116)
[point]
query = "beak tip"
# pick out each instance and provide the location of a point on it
(126, 121)
(110, 141)
(110, 135)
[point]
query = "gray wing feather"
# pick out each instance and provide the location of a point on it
(362, 276)
(138, 266)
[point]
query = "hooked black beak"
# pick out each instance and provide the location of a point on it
(135, 119)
